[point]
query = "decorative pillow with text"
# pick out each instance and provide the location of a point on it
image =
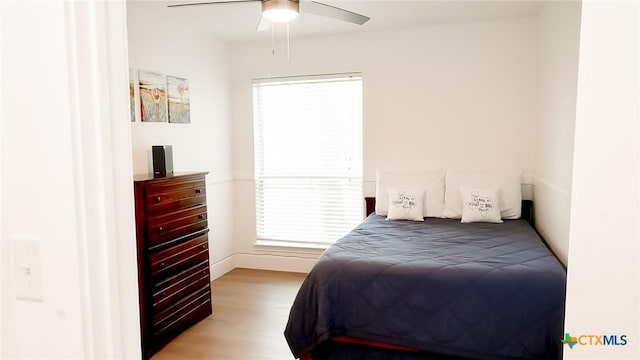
(406, 204)
(431, 181)
(480, 205)
(508, 183)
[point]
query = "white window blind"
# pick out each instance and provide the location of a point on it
(308, 158)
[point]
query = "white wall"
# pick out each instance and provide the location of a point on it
(558, 42)
(454, 95)
(603, 289)
(40, 127)
(63, 76)
(158, 43)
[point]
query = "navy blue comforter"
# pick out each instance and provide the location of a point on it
(480, 290)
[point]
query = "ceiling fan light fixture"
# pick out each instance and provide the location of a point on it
(280, 11)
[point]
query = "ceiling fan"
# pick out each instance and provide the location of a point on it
(283, 11)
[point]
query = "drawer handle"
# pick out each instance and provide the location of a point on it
(201, 217)
(204, 246)
(162, 264)
(160, 229)
(157, 199)
(163, 294)
(198, 191)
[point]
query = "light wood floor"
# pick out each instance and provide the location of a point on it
(250, 312)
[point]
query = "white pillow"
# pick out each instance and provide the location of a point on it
(507, 183)
(480, 205)
(431, 181)
(405, 204)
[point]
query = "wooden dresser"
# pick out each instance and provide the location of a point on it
(173, 256)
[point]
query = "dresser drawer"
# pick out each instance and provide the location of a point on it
(179, 257)
(181, 312)
(179, 286)
(175, 196)
(162, 228)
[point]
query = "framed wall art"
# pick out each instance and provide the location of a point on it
(153, 96)
(179, 107)
(132, 99)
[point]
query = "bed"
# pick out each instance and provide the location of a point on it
(437, 289)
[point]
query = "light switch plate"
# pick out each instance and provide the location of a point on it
(27, 269)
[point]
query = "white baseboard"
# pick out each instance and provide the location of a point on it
(222, 267)
(261, 262)
(274, 262)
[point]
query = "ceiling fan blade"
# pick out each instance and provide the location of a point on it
(212, 3)
(321, 9)
(264, 24)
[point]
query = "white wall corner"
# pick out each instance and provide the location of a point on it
(222, 267)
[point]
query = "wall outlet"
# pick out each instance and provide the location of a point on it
(27, 269)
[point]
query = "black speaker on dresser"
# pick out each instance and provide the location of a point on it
(162, 159)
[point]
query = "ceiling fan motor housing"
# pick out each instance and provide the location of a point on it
(289, 8)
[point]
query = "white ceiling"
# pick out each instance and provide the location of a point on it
(237, 22)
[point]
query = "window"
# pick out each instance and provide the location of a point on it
(308, 159)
